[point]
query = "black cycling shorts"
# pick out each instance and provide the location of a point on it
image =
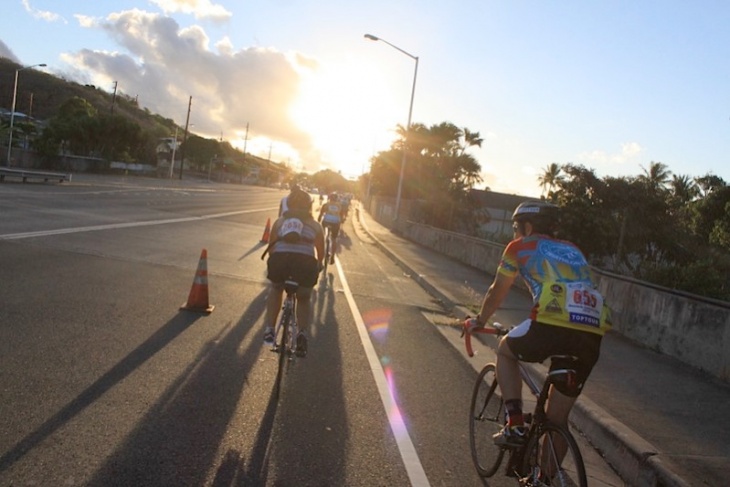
(534, 342)
(334, 228)
(284, 266)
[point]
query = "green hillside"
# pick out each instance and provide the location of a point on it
(40, 94)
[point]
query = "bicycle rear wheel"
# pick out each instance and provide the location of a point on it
(486, 417)
(542, 459)
(283, 345)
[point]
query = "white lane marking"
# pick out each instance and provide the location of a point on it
(408, 454)
(114, 226)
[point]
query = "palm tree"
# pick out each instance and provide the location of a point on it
(657, 176)
(471, 139)
(550, 177)
(684, 189)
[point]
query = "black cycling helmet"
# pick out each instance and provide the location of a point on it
(299, 200)
(542, 215)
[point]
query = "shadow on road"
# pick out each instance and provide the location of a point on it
(305, 423)
(177, 441)
(114, 376)
(253, 249)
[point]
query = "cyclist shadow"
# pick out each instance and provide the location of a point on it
(325, 281)
(313, 401)
(320, 296)
(289, 409)
(124, 368)
(343, 241)
(253, 249)
(180, 435)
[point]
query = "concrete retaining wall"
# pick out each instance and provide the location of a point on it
(693, 329)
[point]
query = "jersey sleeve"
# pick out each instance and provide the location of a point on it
(508, 264)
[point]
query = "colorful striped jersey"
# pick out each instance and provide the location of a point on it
(560, 281)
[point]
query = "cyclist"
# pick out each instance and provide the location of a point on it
(296, 251)
(568, 316)
(345, 202)
(283, 207)
(331, 215)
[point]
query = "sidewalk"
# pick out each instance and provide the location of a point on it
(657, 421)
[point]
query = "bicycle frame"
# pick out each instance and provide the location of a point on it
(287, 325)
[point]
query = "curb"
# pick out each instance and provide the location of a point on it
(635, 460)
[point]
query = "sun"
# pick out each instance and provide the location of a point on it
(347, 111)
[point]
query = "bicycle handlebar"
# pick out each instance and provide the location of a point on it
(467, 329)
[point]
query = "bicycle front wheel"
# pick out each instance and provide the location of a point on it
(486, 417)
(553, 454)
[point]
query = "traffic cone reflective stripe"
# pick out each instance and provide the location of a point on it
(198, 297)
(267, 231)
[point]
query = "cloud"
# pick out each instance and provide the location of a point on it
(163, 65)
(42, 14)
(7, 53)
(628, 153)
(201, 9)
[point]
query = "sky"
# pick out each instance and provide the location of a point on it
(611, 85)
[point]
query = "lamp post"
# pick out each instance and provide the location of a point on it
(174, 148)
(408, 127)
(12, 110)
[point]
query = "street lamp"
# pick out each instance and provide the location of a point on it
(408, 127)
(12, 110)
(174, 148)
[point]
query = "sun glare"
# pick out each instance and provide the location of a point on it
(348, 112)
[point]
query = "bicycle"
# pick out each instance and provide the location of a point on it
(538, 462)
(328, 244)
(287, 329)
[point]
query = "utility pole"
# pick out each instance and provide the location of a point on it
(114, 96)
(243, 162)
(185, 137)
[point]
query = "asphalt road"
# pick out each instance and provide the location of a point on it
(105, 381)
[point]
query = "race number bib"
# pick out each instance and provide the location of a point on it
(583, 304)
(291, 229)
(575, 303)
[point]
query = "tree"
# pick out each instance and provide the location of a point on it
(708, 211)
(656, 177)
(708, 183)
(79, 129)
(330, 181)
(199, 151)
(583, 216)
(663, 228)
(550, 178)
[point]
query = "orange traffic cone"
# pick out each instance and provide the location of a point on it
(267, 231)
(198, 297)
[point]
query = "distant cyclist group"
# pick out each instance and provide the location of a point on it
(568, 318)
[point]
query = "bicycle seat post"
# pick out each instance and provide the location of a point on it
(290, 287)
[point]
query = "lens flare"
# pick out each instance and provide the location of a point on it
(377, 322)
(396, 418)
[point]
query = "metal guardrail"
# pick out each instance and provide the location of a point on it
(26, 174)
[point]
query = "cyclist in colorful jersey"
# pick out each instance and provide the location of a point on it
(296, 252)
(331, 215)
(568, 316)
